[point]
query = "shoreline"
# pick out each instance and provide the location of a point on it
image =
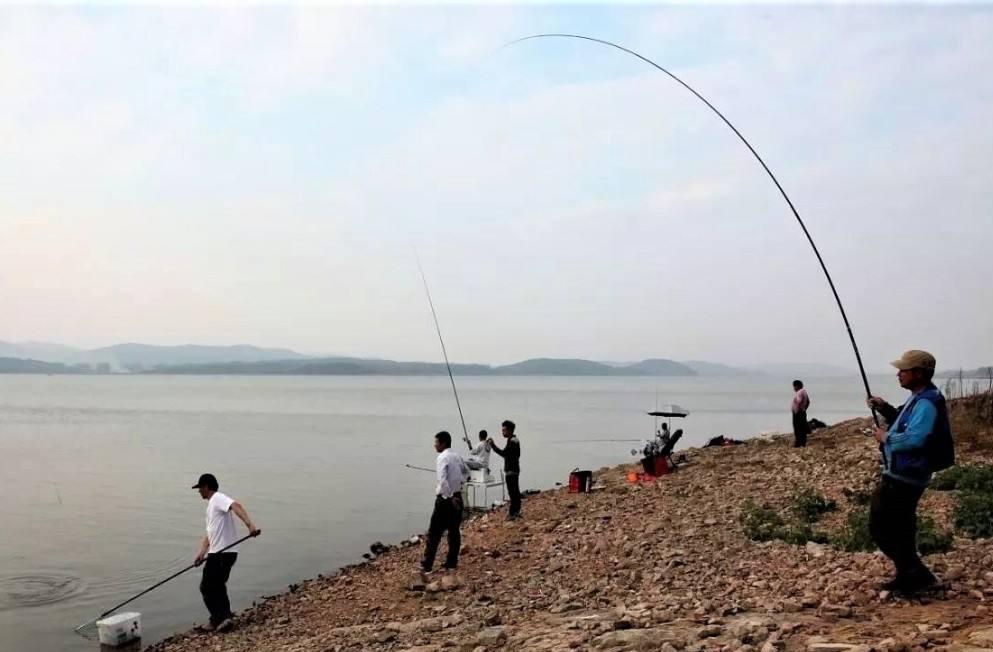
(664, 565)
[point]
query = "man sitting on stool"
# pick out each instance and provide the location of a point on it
(479, 457)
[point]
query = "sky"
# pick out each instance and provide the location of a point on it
(270, 175)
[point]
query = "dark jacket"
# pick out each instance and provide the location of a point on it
(511, 454)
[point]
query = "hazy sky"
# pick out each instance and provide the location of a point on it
(263, 176)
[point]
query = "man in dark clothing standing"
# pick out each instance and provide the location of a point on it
(511, 454)
(801, 401)
(918, 438)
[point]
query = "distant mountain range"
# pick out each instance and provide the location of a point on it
(139, 357)
(43, 357)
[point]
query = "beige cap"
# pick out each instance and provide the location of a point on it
(915, 359)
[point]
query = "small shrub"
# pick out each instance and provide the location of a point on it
(969, 477)
(761, 522)
(930, 538)
(855, 537)
(977, 478)
(799, 534)
(947, 480)
(973, 514)
(808, 505)
(861, 497)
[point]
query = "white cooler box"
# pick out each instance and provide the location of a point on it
(120, 628)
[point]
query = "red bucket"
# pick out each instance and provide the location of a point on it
(580, 481)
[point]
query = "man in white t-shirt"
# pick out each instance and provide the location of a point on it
(216, 552)
(479, 457)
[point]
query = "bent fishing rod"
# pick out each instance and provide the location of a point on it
(796, 214)
(91, 623)
(444, 352)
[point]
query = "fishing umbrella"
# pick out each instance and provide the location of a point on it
(671, 410)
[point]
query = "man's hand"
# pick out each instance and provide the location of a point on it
(199, 559)
(880, 435)
(874, 402)
(254, 531)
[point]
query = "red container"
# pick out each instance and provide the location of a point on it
(660, 466)
(580, 481)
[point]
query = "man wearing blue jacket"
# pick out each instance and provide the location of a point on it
(914, 432)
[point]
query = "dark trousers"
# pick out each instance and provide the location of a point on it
(213, 585)
(514, 491)
(447, 515)
(800, 429)
(893, 524)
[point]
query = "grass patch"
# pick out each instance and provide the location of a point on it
(931, 538)
(855, 536)
(763, 523)
(808, 505)
(968, 477)
(973, 514)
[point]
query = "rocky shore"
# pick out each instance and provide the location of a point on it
(659, 566)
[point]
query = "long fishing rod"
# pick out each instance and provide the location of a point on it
(444, 352)
(841, 308)
(86, 628)
(419, 468)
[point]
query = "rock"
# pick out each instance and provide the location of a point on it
(982, 637)
(830, 647)
(815, 550)
(450, 582)
(709, 631)
(492, 637)
(634, 639)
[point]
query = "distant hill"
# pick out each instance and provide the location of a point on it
(39, 351)
(661, 367)
(245, 360)
(137, 357)
(360, 366)
(22, 366)
(324, 367)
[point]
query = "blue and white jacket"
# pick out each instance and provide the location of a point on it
(904, 455)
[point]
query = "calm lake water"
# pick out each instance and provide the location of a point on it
(95, 472)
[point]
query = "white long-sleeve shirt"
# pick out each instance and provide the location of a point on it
(452, 472)
(482, 453)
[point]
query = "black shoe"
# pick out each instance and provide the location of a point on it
(919, 581)
(894, 584)
(912, 582)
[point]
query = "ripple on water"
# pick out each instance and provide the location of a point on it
(37, 589)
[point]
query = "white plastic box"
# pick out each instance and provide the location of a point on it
(479, 476)
(120, 628)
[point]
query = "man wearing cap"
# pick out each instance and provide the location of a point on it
(221, 534)
(914, 432)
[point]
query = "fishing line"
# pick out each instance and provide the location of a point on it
(796, 214)
(444, 352)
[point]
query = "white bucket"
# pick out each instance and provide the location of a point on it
(120, 628)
